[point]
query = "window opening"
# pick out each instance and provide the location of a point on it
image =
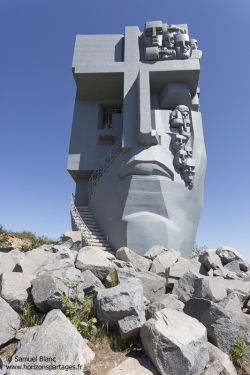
(107, 115)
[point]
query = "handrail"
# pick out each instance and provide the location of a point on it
(79, 223)
(115, 150)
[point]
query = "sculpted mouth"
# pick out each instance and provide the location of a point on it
(138, 168)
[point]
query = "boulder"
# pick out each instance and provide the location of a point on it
(73, 240)
(216, 368)
(210, 260)
(228, 254)
(175, 343)
(10, 322)
(7, 262)
(140, 263)
(163, 301)
(48, 289)
(163, 261)
(222, 327)
(198, 267)
(244, 321)
(241, 287)
(193, 284)
(56, 338)
(91, 283)
(122, 307)
(61, 261)
(153, 285)
(120, 265)
(231, 302)
(217, 354)
(233, 266)
(15, 288)
(89, 258)
(179, 269)
(105, 254)
(42, 258)
(154, 251)
(135, 366)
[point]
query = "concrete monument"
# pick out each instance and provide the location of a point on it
(137, 151)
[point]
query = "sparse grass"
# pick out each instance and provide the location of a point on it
(82, 311)
(239, 349)
(114, 277)
(30, 316)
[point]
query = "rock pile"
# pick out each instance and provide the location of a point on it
(187, 313)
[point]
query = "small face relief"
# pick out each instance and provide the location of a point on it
(180, 158)
(185, 129)
(168, 41)
(189, 151)
(179, 142)
(194, 44)
(176, 120)
(188, 171)
(182, 46)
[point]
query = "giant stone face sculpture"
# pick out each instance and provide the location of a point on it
(148, 189)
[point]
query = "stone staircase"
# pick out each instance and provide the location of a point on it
(98, 240)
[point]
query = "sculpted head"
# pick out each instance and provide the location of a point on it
(194, 43)
(182, 46)
(188, 171)
(180, 158)
(189, 151)
(168, 40)
(179, 142)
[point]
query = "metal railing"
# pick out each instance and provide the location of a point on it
(79, 223)
(115, 150)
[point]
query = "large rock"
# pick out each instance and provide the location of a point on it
(242, 288)
(216, 368)
(193, 284)
(46, 257)
(7, 262)
(154, 251)
(244, 321)
(48, 289)
(222, 328)
(89, 258)
(123, 307)
(10, 322)
(140, 263)
(56, 338)
(228, 254)
(231, 302)
(217, 354)
(91, 283)
(181, 267)
(198, 267)
(15, 288)
(163, 301)
(163, 261)
(210, 260)
(73, 240)
(153, 285)
(120, 265)
(175, 343)
(135, 366)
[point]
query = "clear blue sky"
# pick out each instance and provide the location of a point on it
(37, 98)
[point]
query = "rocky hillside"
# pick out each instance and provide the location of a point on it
(67, 308)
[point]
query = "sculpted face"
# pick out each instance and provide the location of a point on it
(182, 46)
(179, 142)
(189, 151)
(180, 158)
(168, 40)
(188, 170)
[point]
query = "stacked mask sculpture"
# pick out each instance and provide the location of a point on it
(137, 102)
